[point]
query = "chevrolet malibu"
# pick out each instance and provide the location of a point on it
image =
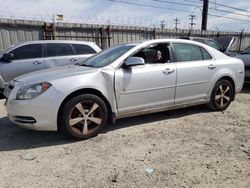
(126, 80)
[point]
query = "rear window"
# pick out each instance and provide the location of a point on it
(59, 49)
(83, 49)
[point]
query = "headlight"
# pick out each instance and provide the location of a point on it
(32, 91)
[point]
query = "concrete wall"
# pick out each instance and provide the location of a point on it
(15, 31)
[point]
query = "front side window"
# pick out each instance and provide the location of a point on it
(59, 49)
(157, 53)
(187, 52)
(28, 51)
(83, 49)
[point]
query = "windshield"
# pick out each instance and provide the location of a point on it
(107, 56)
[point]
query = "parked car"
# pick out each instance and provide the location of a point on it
(125, 80)
(207, 41)
(245, 57)
(228, 43)
(36, 55)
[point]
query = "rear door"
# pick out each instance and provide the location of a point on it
(27, 58)
(59, 54)
(195, 69)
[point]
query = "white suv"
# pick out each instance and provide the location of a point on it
(31, 56)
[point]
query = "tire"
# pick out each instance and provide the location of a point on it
(222, 95)
(83, 116)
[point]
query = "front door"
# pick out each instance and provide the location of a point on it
(27, 58)
(146, 86)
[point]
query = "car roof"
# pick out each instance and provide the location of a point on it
(164, 40)
(56, 41)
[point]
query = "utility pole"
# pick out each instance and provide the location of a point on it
(176, 23)
(162, 25)
(192, 17)
(204, 15)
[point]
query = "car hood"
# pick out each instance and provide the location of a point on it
(54, 73)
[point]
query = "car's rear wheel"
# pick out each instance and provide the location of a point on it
(222, 95)
(83, 116)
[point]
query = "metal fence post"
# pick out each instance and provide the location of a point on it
(108, 33)
(101, 37)
(154, 33)
(240, 39)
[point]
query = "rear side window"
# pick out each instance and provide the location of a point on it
(83, 49)
(28, 51)
(187, 52)
(206, 55)
(59, 49)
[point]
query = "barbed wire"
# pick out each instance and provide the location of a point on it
(6, 13)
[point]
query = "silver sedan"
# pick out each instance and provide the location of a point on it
(126, 80)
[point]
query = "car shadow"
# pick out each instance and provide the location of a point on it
(160, 116)
(15, 138)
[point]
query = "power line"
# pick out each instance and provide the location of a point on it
(220, 4)
(146, 5)
(226, 11)
(175, 3)
(228, 17)
(229, 6)
(193, 5)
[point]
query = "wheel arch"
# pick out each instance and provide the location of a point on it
(86, 91)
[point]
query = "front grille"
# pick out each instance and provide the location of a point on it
(24, 119)
(247, 67)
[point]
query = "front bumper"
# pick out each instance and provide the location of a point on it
(39, 113)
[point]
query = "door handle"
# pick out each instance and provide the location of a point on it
(37, 63)
(211, 66)
(73, 59)
(168, 71)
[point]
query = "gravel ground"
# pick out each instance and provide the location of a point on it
(191, 147)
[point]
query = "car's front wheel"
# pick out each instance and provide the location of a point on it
(83, 116)
(222, 95)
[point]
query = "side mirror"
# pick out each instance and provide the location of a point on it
(132, 61)
(7, 57)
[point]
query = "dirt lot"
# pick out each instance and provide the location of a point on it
(191, 147)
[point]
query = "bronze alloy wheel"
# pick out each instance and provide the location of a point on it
(222, 95)
(83, 116)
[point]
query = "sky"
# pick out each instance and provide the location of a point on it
(110, 12)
